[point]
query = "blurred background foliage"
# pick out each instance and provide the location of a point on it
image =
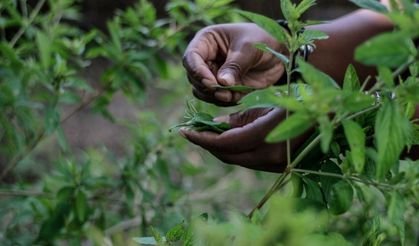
(88, 91)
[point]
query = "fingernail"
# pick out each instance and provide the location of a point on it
(227, 78)
(223, 95)
(182, 132)
(223, 118)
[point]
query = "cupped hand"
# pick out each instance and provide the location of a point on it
(245, 144)
(225, 55)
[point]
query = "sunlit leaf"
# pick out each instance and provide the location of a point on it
(356, 138)
(295, 125)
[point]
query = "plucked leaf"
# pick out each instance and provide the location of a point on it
(145, 240)
(238, 88)
(356, 138)
(176, 233)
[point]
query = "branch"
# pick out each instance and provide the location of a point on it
(4, 193)
(30, 20)
(356, 179)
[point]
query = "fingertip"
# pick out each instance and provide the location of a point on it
(226, 78)
(223, 95)
(183, 132)
(223, 118)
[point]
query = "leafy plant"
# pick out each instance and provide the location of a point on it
(375, 129)
(352, 164)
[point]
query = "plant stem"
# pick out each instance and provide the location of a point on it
(289, 69)
(403, 68)
(32, 17)
(299, 158)
(352, 116)
(4, 193)
(336, 175)
(279, 182)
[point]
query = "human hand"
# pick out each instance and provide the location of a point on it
(245, 144)
(224, 55)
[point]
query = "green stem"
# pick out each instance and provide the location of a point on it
(17, 193)
(277, 185)
(289, 68)
(299, 158)
(279, 182)
(32, 17)
(353, 178)
(403, 67)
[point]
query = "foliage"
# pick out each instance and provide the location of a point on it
(94, 195)
(351, 169)
(348, 183)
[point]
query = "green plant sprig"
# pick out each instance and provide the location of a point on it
(199, 121)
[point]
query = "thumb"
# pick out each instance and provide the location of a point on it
(236, 64)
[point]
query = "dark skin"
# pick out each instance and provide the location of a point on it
(224, 54)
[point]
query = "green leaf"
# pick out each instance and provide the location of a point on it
(304, 5)
(326, 130)
(268, 24)
(157, 236)
(266, 48)
(312, 189)
(290, 103)
(44, 48)
(327, 182)
(356, 101)
(373, 5)
(295, 125)
(388, 49)
(314, 77)
(356, 139)
(260, 98)
(238, 88)
(392, 130)
(176, 233)
(10, 53)
(52, 119)
(114, 31)
(396, 210)
(145, 240)
(289, 10)
(386, 76)
(341, 196)
(308, 36)
(81, 205)
(351, 80)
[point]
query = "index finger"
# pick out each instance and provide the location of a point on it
(198, 70)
